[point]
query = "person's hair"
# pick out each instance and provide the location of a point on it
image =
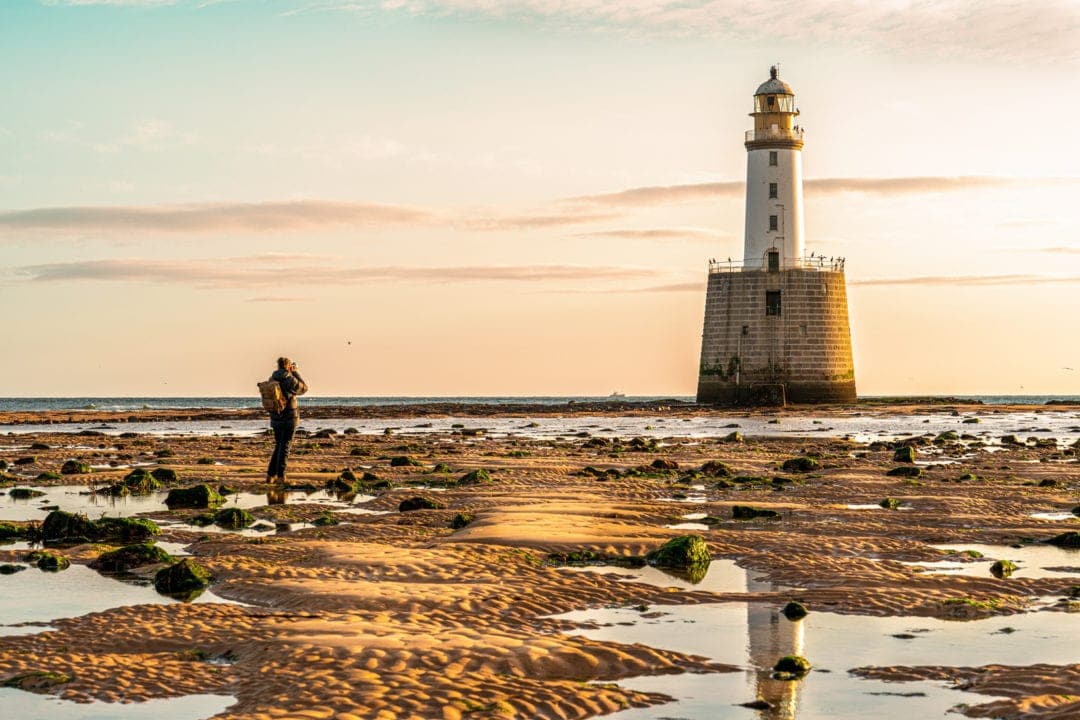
(283, 363)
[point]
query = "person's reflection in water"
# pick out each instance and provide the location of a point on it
(771, 636)
(275, 496)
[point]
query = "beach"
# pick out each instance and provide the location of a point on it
(339, 603)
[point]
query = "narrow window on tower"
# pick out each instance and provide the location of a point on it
(773, 224)
(745, 329)
(772, 157)
(772, 302)
(774, 261)
(772, 191)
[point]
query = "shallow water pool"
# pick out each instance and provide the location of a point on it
(26, 705)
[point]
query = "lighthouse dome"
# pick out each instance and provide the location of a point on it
(774, 85)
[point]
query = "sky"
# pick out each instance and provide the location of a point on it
(520, 197)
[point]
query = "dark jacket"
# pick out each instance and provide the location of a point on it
(291, 386)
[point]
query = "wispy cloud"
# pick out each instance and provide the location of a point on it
(262, 271)
(971, 280)
(1063, 250)
(657, 234)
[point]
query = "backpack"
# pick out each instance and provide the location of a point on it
(273, 400)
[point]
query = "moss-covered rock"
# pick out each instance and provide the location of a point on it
(62, 526)
(39, 681)
(10, 568)
(745, 512)
(442, 468)
(182, 578)
(141, 482)
(24, 493)
(475, 477)
(342, 485)
(904, 454)
(889, 503)
(1069, 539)
(715, 469)
(733, 437)
(1002, 568)
(124, 529)
(327, 519)
(801, 465)
(10, 532)
(749, 479)
(233, 518)
(74, 467)
(681, 553)
(48, 475)
(165, 475)
(48, 560)
(946, 437)
(908, 471)
(405, 461)
(419, 503)
(461, 520)
(795, 611)
(199, 496)
(130, 556)
(791, 667)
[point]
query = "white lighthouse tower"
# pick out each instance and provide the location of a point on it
(774, 196)
(776, 324)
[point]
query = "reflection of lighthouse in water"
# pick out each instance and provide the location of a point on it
(771, 636)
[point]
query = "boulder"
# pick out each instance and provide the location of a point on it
(165, 475)
(905, 454)
(442, 468)
(199, 496)
(10, 568)
(74, 467)
(715, 469)
(681, 553)
(48, 560)
(661, 464)
(475, 477)
(795, 611)
(141, 482)
(791, 667)
(181, 578)
(461, 520)
(947, 436)
(908, 471)
(801, 465)
(733, 437)
(1002, 568)
(419, 503)
(124, 529)
(405, 461)
(23, 493)
(61, 526)
(233, 518)
(9, 532)
(890, 503)
(1069, 539)
(745, 512)
(130, 556)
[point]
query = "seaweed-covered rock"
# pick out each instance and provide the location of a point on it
(715, 469)
(165, 475)
(1011, 440)
(11, 532)
(74, 467)
(141, 482)
(795, 611)
(1002, 568)
(662, 464)
(442, 468)
(48, 560)
(749, 479)
(908, 471)
(890, 503)
(64, 526)
(461, 520)
(947, 436)
(791, 667)
(130, 556)
(419, 503)
(475, 477)
(733, 437)
(904, 454)
(348, 476)
(37, 682)
(1069, 539)
(801, 465)
(124, 529)
(404, 461)
(683, 552)
(745, 512)
(342, 485)
(326, 519)
(10, 568)
(233, 518)
(24, 493)
(181, 578)
(48, 475)
(199, 496)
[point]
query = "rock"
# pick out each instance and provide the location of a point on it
(905, 454)
(48, 560)
(791, 667)
(1069, 539)
(1002, 568)
(348, 476)
(795, 611)
(749, 479)
(461, 520)
(661, 464)
(947, 436)
(126, 529)
(37, 682)
(971, 421)
(48, 475)
(29, 460)
(326, 520)
(890, 503)
(22, 493)
(233, 518)
(405, 461)
(801, 465)
(11, 568)
(141, 482)
(716, 469)
(165, 475)
(181, 578)
(325, 434)
(745, 512)
(199, 496)
(39, 446)
(1048, 482)
(419, 503)
(341, 485)
(11, 532)
(733, 437)
(681, 553)
(442, 468)
(74, 467)
(758, 704)
(64, 526)
(1076, 511)
(1011, 440)
(475, 477)
(131, 556)
(908, 471)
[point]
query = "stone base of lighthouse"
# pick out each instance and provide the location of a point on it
(776, 337)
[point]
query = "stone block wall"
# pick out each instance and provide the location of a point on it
(805, 349)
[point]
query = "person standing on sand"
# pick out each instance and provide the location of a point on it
(284, 423)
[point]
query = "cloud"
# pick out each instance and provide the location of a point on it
(263, 271)
(657, 234)
(971, 280)
(1060, 250)
(1037, 29)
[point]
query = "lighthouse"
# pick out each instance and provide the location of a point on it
(776, 323)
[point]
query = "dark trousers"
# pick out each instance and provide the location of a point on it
(283, 435)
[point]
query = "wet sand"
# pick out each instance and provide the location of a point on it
(398, 615)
